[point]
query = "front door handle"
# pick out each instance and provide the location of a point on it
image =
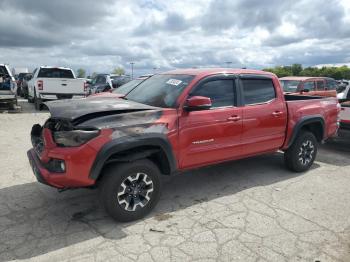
(234, 118)
(277, 113)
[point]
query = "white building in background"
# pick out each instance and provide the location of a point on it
(332, 65)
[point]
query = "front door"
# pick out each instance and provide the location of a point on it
(212, 135)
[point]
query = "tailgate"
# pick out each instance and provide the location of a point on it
(62, 86)
(345, 113)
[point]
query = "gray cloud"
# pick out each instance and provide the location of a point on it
(100, 35)
(46, 23)
(173, 22)
(225, 14)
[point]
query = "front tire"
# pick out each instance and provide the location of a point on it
(129, 191)
(300, 156)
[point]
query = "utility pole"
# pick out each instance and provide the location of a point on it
(228, 63)
(132, 70)
(155, 70)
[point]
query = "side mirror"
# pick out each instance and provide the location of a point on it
(305, 90)
(196, 103)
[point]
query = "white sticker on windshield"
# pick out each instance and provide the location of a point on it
(174, 82)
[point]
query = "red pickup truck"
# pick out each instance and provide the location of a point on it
(173, 122)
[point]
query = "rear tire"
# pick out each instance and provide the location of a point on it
(129, 191)
(30, 100)
(37, 103)
(300, 156)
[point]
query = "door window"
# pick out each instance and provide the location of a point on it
(221, 92)
(100, 80)
(257, 91)
(320, 85)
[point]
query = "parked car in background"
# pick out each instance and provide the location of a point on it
(19, 81)
(24, 87)
(170, 123)
(343, 90)
(319, 86)
(51, 83)
(345, 115)
(124, 89)
(19, 70)
(8, 89)
(107, 82)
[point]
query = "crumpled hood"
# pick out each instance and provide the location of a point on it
(72, 109)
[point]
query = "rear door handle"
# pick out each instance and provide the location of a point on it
(234, 118)
(277, 113)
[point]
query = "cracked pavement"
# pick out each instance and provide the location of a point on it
(248, 210)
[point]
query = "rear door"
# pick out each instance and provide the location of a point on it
(212, 135)
(321, 87)
(331, 87)
(264, 115)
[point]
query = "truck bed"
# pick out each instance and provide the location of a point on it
(303, 107)
(290, 97)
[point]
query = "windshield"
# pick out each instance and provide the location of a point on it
(290, 85)
(126, 88)
(160, 90)
(3, 71)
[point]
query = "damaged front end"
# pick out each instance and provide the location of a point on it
(65, 134)
(62, 155)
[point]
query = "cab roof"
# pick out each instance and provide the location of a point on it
(302, 78)
(214, 71)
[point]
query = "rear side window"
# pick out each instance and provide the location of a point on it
(257, 91)
(320, 85)
(55, 73)
(219, 91)
(309, 85)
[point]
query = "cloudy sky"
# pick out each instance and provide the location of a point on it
(101, 35)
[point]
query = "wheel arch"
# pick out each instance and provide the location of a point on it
(157, 149)
(314, 124)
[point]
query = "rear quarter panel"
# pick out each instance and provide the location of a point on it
(301, 109)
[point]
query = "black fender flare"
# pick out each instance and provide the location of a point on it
(305, 121)
(126, 143)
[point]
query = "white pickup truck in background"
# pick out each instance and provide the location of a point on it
(345, 115)
(51, 83)
(8, 89)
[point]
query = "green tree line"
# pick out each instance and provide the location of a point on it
(338, 73)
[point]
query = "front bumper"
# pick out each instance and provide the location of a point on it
(36, 166)
(78, 161)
